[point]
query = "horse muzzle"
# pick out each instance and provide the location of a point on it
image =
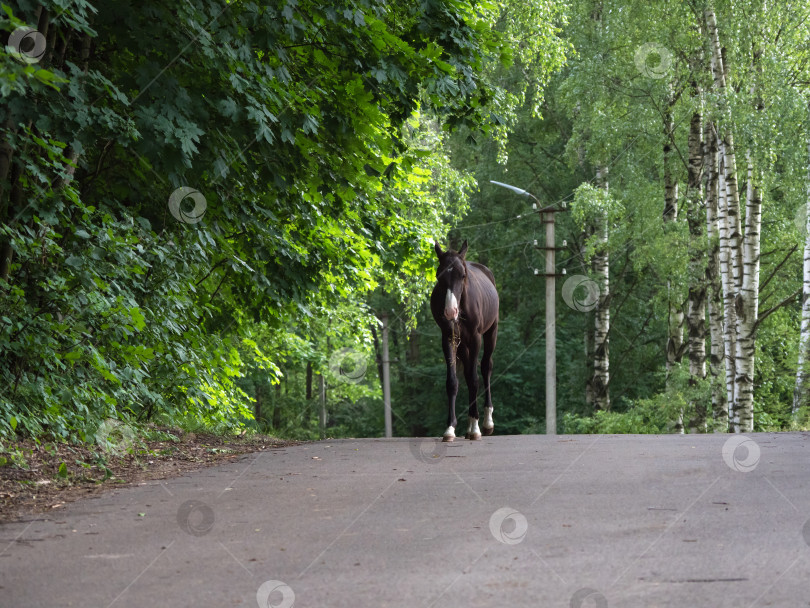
(450, 306)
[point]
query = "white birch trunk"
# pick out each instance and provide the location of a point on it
(715, 288)
(733, 213)
(731, 258)
(601, 362)
(675, 319)
(696, 300)
(747, 307)
(726, 282)
(801, 393)
(589, 358)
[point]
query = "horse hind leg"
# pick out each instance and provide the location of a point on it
(490, 338)
(487, 424)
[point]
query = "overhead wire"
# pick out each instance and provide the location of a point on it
(566, 198)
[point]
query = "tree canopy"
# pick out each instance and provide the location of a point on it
(186, 187)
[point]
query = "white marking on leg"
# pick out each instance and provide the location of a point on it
(450, 305)
(450, 433)
(487, 422)
(474, 432)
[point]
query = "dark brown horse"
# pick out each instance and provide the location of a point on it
(464, 304)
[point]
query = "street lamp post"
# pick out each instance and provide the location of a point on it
(547, 216)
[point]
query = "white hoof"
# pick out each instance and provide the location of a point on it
(474, 433)
(449, 434)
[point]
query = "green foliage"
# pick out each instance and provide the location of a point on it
(313, 134)
(591, 202)
(656, 414)
(13, 457)
(637, 420)
(801, 421)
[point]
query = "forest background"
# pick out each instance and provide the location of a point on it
(207, 207)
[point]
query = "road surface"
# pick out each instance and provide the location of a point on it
(570, 522)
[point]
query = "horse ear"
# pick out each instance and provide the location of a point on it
(463, 251)
(438, 249)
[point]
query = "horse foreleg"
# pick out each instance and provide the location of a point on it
(487, 424)
(452, 388)
(471, 375)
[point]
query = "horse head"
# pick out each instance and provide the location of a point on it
(452, 278)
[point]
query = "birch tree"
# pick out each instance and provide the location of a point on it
(747, 303)
(601, 269)
(731, 262)
(696, 300)
(594, 209)
(725, 148)
(801, 394)
(713, 284)
(675, 318)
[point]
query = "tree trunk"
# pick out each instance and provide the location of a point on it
(801, 394)
(675, 319)
(715, 288)
(601, 266)
(377, 354)
(322, 417)
(589, 358)
(747, 303)
(277, 408)
(8, 206)
(748, 296)
(589, 345)
(6, 156)
(309, 381)
(729, 308)
(742, 253)
(400, 353)
(257, 411)
(728, 221)
(696, 301)
(413, 346)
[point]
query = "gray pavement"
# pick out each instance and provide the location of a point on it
(569, 522)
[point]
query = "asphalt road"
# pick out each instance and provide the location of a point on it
(569, 521)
